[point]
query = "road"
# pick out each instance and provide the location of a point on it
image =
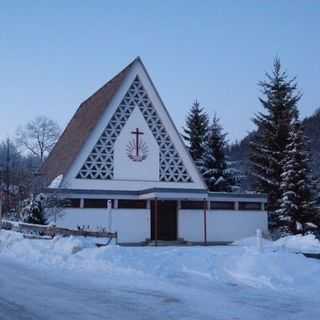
(58, 294)
(31, 294)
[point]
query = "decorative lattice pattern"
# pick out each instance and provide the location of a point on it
(99, 164)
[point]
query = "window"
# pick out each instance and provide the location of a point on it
(250, 206)
(132, 204)
(72, 203)
(192, 205)
(222, 205)
(96, 203)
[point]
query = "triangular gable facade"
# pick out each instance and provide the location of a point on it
(134, 145)
(125, 168)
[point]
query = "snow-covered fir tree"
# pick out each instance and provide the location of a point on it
(273, 127)
(195, 131)
(215, 168)
(33, 211)
(297, 213)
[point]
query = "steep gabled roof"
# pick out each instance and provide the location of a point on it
(79, 128)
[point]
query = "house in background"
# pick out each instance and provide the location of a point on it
(121, 145)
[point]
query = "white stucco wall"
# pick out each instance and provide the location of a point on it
(190, 225)
(132, 225)
(124, 167)
(221, 225)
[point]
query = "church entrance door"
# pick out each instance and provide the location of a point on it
(164, 220)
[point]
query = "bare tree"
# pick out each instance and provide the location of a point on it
(38, 136)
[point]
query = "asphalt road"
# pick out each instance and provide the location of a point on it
(32, 294)
(53, 294)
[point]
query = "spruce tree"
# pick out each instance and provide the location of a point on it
(195, 131)
(297, 213)
(216, 171)
(273, 127)
(34, 211)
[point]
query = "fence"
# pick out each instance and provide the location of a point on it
(51, 230)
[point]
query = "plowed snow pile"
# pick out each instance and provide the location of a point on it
(276, 268)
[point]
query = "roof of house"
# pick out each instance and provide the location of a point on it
(80, 126)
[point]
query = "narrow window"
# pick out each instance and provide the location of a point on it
(96, 203)
(250, 206)
(72, 203)
(132, 204)
(222, 205)
(192, 205)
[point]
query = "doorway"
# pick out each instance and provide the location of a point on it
(166, 220)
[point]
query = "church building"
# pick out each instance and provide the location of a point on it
(123, 165)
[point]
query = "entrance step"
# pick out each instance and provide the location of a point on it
(164, 243)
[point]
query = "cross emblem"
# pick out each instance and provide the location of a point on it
(137, 133)
(137, 150)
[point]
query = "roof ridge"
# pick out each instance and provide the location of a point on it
(111, 80)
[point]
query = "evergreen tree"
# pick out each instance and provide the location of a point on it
(33, 212)
(273, 127)
(215, 169)
(297, 213)
(195, 131)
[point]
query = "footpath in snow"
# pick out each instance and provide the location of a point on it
(276, 283)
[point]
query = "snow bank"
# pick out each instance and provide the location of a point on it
(252, 242)
(298, 243)
(277, 270)
(46, 252)
(274, 269)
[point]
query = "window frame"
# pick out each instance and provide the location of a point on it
(132, 204)
(243, 206)
(232, 206)
(98, 206)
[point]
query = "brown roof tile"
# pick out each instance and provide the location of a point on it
(82, 123)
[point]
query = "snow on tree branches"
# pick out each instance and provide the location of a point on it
(273, 127)
(215, 168)
(33, 211)
(297, 213)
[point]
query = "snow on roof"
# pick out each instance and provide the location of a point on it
(56, 182)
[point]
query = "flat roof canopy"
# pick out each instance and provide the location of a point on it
(162, 193)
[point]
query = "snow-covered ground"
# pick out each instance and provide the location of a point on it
(69, 278)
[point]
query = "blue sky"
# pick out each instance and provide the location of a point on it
(54, 54)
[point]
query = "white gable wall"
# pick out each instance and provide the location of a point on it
(125, 168)
(120, 182)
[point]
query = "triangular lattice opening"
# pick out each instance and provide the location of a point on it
(99, 164)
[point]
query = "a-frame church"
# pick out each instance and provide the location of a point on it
(121, 145)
